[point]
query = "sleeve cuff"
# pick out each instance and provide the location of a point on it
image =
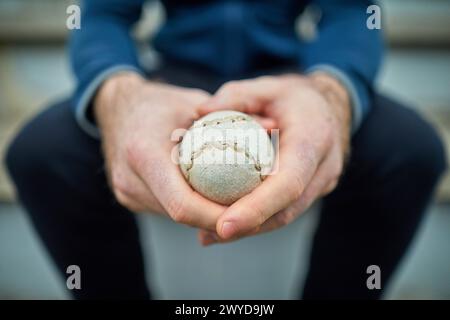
(355, 96)
(83, 103)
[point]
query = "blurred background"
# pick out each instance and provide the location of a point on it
(34, 71)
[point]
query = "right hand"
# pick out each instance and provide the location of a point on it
(136, 118)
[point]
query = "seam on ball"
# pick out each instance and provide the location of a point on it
(223, 146)
(212, 122)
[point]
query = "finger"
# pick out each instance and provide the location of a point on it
(266, 122)
(143, 195)
(330, 187)
(197, 95)
(206, 237)
(241, 103)
(324, 180)
(129, 203)
(247, 96)
(297, 165)
(325, 177)
(176, 197)
(131, 192)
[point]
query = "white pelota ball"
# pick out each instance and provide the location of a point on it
(225, 155)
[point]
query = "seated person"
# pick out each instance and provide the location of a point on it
(83, 165)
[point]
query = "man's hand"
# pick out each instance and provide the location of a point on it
(136, 119)
(313, 115)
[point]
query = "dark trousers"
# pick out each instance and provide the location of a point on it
(370, 218)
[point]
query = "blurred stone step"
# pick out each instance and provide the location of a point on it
(441, 120)
(410, 23)
(416, 22)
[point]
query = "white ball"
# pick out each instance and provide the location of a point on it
(225, 155)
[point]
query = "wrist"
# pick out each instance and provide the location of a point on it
(331, 88)
(334, 92)
(115, 89)
(117, 84)
(338, 97)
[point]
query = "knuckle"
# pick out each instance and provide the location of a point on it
(198, 93)
(266, 79)
(135, 152)
(327, 136)
(296, 190)
(335, 168)
(176, 209)
(284, 218)
(121, 198)
(306, 156)
(331, 186)
(201, 93)
(259, 213)
(120, 183)
(297, 186)
(156, 172)
(230, 87)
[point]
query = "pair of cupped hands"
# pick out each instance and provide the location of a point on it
(137, 117)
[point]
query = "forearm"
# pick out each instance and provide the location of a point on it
(339, 99)
(102, 47)
(347, 50)
(117, 89)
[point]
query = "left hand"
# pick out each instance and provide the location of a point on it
(313, 114)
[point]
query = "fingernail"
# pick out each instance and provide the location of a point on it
(209, 238)
(228, 229)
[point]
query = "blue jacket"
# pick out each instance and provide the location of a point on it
(230, 38)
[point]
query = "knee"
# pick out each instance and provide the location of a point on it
(426, 154)
(420, 150)
(37, 151)
(52, 158)
(15, 154)
(395, 140)
(25, 156)
(436, 163)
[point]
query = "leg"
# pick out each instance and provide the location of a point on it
(58, 172)
(371, 217)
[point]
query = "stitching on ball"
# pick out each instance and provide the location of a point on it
(213, 122)
(223, 146)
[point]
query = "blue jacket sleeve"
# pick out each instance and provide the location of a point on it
(348, 50)
(101, 47)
